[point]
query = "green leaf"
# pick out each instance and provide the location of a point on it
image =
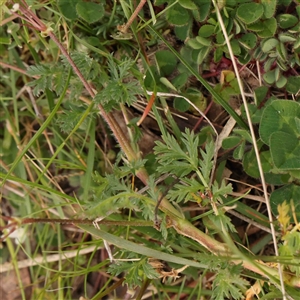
(290, 249)
(265, 28)
(244, 133)
(286, 193)
(180, 80)
(140, 249)
(269, 44)
(285, 38)
(286, 21)
(269, 28)
(188, 4)
(269, 7)
(269, 77)
(204, 9)
(255, 113)
(280, 115)
(194, 43)
(285, 150)
(89, 11)
(186, 192)
(53, 78)
(177, 16)
(221, 221)
(117, 92)
(260, 94)
(203, 41)
(41, 83)
(197, 98)
(172, 158)
(59, 78)
(228, 284)
(4, 40)
(69, 119)
(231, 142)
(269, 63)
(250, 12)
(68, 8)
(206, 30)
(180, 104)
(248, 40)
(165, 81)
(83, 62)
(206, 160)
(184, 31)
(119, 89)
(250, 164)
(166, 61)
(202, 54)
(239, 151)
(281, 81)
(293, 84)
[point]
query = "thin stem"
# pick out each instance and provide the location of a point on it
(125, 28)
(136, 223)
(71, 62)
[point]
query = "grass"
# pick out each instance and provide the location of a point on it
(184, 221)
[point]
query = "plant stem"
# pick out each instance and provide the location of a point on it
(125, 28)
(137, 223)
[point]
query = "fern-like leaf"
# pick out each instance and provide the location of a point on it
(70, 118)
(206, 160)
(228, 284)
(43, 82)
(122, 88)
(187, 191)
(290, 249)
(50, 77)
(220, 191)
(83, 62)
(172, 158)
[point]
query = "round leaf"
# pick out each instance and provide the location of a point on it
(206, 31)
(188, 4)
(166, 61)
(178, 16)
(269, 77)
(180, 104)
(265, 28)
(68, 8)
(293, 84)
(288, 192)
(269, 44)
(248, 40)
(287, 21)
(280, 115)
(197, 98)
(194, 44)
(250, 12)
(183, 31)
(180, 80)
(204, 41)
(89, 11)
(231, 142)
(269, 7)
(281, 82)
(285, 150)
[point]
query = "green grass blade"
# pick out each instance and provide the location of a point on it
(130, 246)
(39, 132)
